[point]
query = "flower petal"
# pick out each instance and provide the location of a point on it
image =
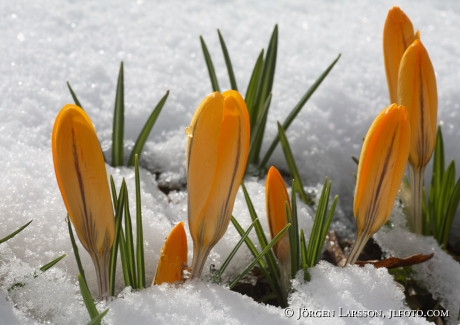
(217, 153)
(173, 258)
(82, 178)
(417, 90)
(398, 34)
(381, 167)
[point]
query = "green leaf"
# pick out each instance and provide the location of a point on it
(97, 320)
(271, 260)
(210, 65)
(293, 166)
(228, 62)
(143, 136)
(262, 254)
(129, 257)
(264, 90)
(118, 123)
(119, 206)
(74, 96)
(139, 228)
(49, 265)
(303, 254)
(294, 232)
(4, 239)
(87, 298)
(235, 249)
(257, 133)
(251, 92)
(75, 248)
(321, 225)
(296, 110)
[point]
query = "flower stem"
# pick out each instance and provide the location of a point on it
(416, 182)
(101, 263)
(358, 246)
(200, 254)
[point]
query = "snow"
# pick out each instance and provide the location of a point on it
(46, 43)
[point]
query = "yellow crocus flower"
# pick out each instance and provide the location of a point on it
(173, 260)
(82, 178)
(381, 167)
(217, 152)
(398, 34)
(417, 90)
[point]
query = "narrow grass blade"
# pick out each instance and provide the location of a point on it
(87, 298)
(75, 248)
(294, 233)
(262, 254)
(296, 110)
(139, 228)
(258, 133)
(210, 65)
(271, 278)
(292, 165)
(264, 90)
(321, 225)
(252, 248)
(74, 96)
(119, 122)
(97, 320)
(143, 136)
(119, 206)
(228, 62)
(235, 249)
(251, 92)
(14, 233)
(130, 255)
(271, 260)
(49, 265)
(268, 72)
(303, 254)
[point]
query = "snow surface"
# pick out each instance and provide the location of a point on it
(46, 43)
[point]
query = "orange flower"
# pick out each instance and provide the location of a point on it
(173, 260)
(398, 34)
(217, 151)
(82, 178)
(381, 167)
(417, 90)
(277, 200)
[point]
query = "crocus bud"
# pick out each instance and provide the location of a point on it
(417, 91)
(277, 201)
(381, 167)
(217, 152)
(398, 34)
(173, 260)
(82, 178)
(278, 206)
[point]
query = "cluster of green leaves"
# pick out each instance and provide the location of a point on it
(258, 96)
(302, 256)
(132, 256)
(119, 124)
(444, 196)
